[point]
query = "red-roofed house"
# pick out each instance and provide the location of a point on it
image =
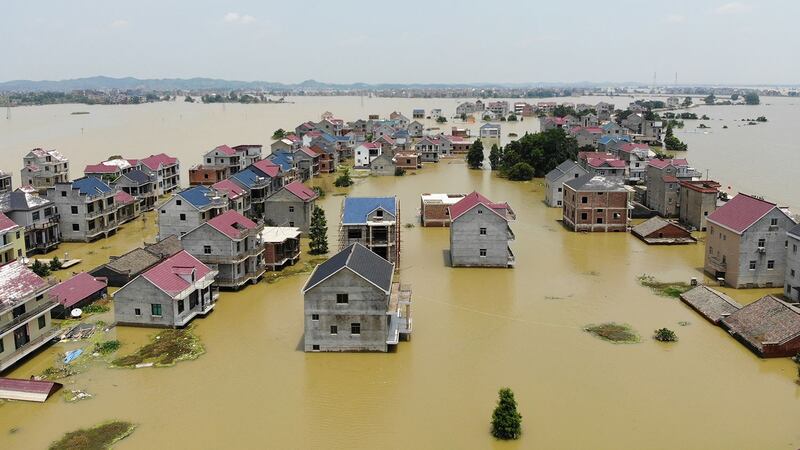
(12, 240)
(366, 152)
(479, 233)
(128, 208)
(166, 170)
(291, 206)
(77, 292)
(169, 294)
(224, 156)
(229, 242)
(746, 242)
(238, 197)
(663, 184)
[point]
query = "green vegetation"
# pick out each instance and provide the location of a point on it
(674, 289)
(475, 155)
(710, 99)
(761, 119)
(541, 151)
(165, 349)
(441, 119)
(318, 232)
(107, 347)
(687, 116)
(40, 268)
(280, 133)
(99, 437)
(399, 171)
(188, 99)
(687, 102)
(614, 332)
(463, 117)
(751, 98)
(563, 111)
(320, 192)
(55, 264)
(506, 420)
(97, 307)
(673, 143)
(702, 126)
(521, 171)
(665, 335)
(494, 157)
(344, 180)
(512, 117)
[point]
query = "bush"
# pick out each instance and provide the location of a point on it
(506, 420)
(441, 119)
(318, 232)
(40, 268)
(320, 192)
(521, 171)
(399, 171)
(665, 335)
(55, 264)
(107, 347)
(344, 179)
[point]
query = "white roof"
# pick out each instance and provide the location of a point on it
(121, 163)
(279, 234)
(446, 199)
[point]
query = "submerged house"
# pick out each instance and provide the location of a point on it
(554, 182)
(480, 233)
(165, 169)
(77, 292)
(238, 197)
(42, 169)
(188, 209)
(291, 206)
(169, 294)
(25, 305)
(120, 270)
(792, 277)
(769, 327)
(87, 209)
(281, 246)
(12, 240)
(352, 303)
(127, 207)
(373, 222)
(596, 203)
(140, 185)
(435, 208)
(37, 215)
(657, 231)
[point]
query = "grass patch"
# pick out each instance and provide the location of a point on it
(57, 372)
(165, 349)
(107, 347)
(100, 306)
(304, 267)
(99, 437)
(674, 289)
(614, 332)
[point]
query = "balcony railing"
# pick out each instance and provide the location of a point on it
(28, 315)
(9, 359)
(232, 259)
(44, 224)
(238, 280)
(511, 257)
(717, 262)
(511, 235)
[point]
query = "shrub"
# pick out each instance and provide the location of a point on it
(506, 420)
(521, 171)
(40, 268)
(665, 335)
(399, 171)
(344, 179)
(55, 264)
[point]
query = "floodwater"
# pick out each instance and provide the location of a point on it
(476, 330)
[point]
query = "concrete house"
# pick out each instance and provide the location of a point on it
(373, 222)
(238, 197)
(596, 203)
(746, 243)
(141, 186)
(249, 153)
(657, 231)
(663, 184)
(696, 200)
(281, 246)
(480, 233)
(38, 217)
(42, 169)
(87, 209)
(230, 244)
(366, 152)
(286, 166)
(382, 165)
(224, 156)
(291, 206)
(282, 145)
(418, 113)
(328, 160)
(169, 294)
(603, 164)
(636, 157)
(352, 304)
(612, 128)
(189, 208)
(110, 170)
(407, 160)
(399, 118)
(428, 149)
(127, 207)
(435, 208)
(120, 270)
(258, 187)
(25, 305)
(490, 134)
(203, 175)
(415, 129)
(554, 182)
(166, 169)
(5, 182)
(792, 277)
(307, 162)
(12, 240)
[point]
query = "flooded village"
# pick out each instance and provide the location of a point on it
(363, 276)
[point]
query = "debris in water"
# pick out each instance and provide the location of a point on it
(665, 335)
(72, 355)
(76, 395)
(165, 349)
(81, 331)
(99, 437)
(674, 289)
(614, 332)
(684, 323)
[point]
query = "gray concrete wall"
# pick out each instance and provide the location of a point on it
(278, 210)
(68, 220)
(140, 293)
(792, 274)
(169, 217)
(466, 240)
(367, 306)
(695, 207)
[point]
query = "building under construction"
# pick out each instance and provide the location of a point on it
(373, 222)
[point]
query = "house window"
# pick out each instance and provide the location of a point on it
(752, 265)
(770, 264)
(792, 273)
(41, 321)
(480, 211)
(599, 210)
(353, 233)
(163, 211)
(483, 231)
(2, 347)
(180, 306)
(73, 209)
(137, 312)
(206, 249)
(183, 216)
(315, 317)
(762, 243)
(378, 213)
(584, 216)
(36, 215)
(584, 199)
(773, 222)
(617, 215)
(355, 328)
(599, 220)
(63, 193)
(291, 224)
(315, 347)
(76, 227)
(178, 202)
(342, 299)
(334, 329)
(482, 252)
(155, 310)
(559, 189)
(291, 209)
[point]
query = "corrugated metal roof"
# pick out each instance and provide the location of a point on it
(91, 186)
(167, 274)
(361, 261)
(77, 288)
(357, 209)
(198, 196)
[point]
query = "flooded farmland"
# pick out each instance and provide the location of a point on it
(476, 330)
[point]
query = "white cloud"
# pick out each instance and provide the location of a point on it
(119, 23)
(674, 18)
(733, 8)
(235, 17)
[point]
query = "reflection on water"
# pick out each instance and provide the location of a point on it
(476, 330)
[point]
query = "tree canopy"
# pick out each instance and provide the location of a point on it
(506, 420)
(541, 151)
(475, 155)
(318, 232)
(751, 98)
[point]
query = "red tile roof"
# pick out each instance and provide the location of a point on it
(268, 167)
(17, 282)
(166, 274)
(123, 197)
(309, 152)
(77, 288)
(473, 199)
(6, 223)
(233, 190)
(596, 155)
(154, 162)
(704, 186)
(629, 147)
(226, 150)
(741, 212)
(661, 163)
(232, 224)
(301, 191)
(101, 168)
(602, 162)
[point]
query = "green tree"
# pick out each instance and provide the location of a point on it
(506, 420)
(475, 155)
(542, 151)
(188, 99)
(318, 232)
(710, 99)
(344, 179)
(521, 171)
(399, 171)
(463, 117)
(495, 156)
(673, 143)
(563, 111)
(441, 119)
(751, 98)
(665, 335)
(280, 133)
(734, 97)
(55, 264)
(512, 117)
(687, 101)
(40, 268)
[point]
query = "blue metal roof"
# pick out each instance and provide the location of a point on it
(198, 196)
(356, 209)
(247, 178)
(606, 138)
(282, 159)
(91, 186)
(609, 125)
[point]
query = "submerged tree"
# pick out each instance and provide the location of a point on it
(318, 232)
(280, 133)
(40, 268)
(665, 335)
(494, 157)
(506, 420)
(344, 180)
(475, 155)
(520, 171)
(56, 264)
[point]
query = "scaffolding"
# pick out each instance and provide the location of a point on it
(367, 235)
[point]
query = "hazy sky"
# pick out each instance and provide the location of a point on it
(748, 41)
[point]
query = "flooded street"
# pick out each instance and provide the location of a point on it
(475, 330)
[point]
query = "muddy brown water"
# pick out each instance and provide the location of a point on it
(475, 330)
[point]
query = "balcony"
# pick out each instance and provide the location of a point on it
(28, 315)
(11, 358)
(510, 235)
(44, 224)
(232, 259)
(239, 280)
